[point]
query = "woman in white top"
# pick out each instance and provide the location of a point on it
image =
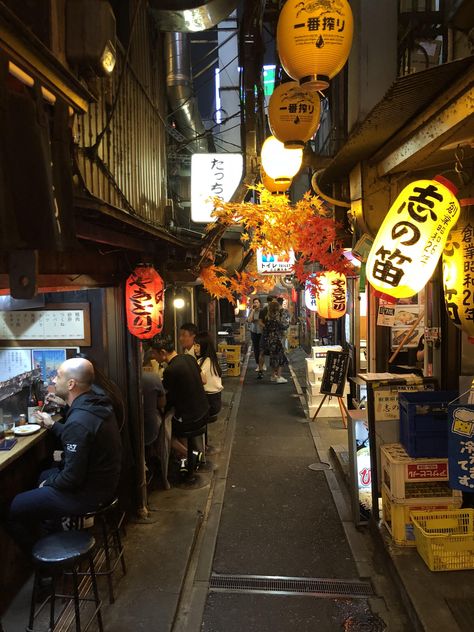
(210, 372)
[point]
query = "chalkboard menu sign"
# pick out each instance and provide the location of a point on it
(335, 373)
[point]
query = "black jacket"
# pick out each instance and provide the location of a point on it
(92, 448)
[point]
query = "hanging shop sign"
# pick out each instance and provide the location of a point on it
(272, 186)
(145, 302)
(458, 272)
(310, 295)
(331, 301)
(293, 114)
(269, 263)
(279, 163)
(314, 40)
(213, 176)
(412, 237)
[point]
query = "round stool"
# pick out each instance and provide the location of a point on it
(189, 435)
(108, 540)
(57, 555)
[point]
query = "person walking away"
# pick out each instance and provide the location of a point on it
(263, 340)
(187, 334)
(274, 332)
(89, 474)
(211, 372)
(255, 327)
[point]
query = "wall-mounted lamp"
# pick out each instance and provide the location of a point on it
(91, 36)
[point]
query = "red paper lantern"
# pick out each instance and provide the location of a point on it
(294, 295)
(145, 302)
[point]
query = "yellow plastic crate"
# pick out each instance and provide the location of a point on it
(233, 369)
(397, 516)
(445, 539)
(232, 352)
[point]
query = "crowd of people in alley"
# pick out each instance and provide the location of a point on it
(268, 325)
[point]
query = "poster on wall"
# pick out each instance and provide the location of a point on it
(406, 313)
(461, 447)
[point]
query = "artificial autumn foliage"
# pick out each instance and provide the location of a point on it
(276, 225)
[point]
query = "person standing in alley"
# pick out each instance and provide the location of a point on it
(255, 327)
(187, 334)
(263, 339)
(274, 334)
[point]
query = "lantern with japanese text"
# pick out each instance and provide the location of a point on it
(279, 163)
(310, 295)
(293, 114)
(144, 295)
(314, 39)
(458, 271)
(412, 237)
(331, 299)
(277, 188)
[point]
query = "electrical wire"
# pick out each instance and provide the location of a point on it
(326, 198)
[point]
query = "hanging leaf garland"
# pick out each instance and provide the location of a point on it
(276, 225)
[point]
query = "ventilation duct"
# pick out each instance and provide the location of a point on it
(190, 15)
(181, 97)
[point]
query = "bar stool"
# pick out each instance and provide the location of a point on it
(61, 554)
(109, 540)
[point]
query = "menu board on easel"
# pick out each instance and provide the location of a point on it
(335, 373)
(49, 326)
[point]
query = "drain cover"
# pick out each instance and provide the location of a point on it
(319, 466)
(278, 585)
(364, 623)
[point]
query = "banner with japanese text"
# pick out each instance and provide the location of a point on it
(461, 447)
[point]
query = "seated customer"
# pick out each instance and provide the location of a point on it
(211, 372)
(184, 393)
(89, 474)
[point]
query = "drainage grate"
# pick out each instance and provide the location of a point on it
(276, 585)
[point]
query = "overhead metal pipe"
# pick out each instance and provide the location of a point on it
(182, 101)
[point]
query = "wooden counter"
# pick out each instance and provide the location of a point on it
(22, 445)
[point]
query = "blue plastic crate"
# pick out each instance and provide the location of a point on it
(424, 422)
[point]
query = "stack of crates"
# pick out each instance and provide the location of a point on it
(410, 485)
(232, 353)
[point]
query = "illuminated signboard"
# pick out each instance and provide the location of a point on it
(213, 175)
(269, 263)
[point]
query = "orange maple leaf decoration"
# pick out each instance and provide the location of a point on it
(276, 225)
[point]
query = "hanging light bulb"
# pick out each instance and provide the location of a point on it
(279, 163)
(178, 299)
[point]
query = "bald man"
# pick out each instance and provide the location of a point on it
(89, 474)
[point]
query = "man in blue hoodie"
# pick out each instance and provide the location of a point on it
(89, 473)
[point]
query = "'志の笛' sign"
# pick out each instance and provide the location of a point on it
(213, 176)
(269, 263)
(461, 447)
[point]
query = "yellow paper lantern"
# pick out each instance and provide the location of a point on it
(279, 163)
(314, 39)
(458, 271)
(331, 301)
(272, 186)
(293, 114)
(412, 237)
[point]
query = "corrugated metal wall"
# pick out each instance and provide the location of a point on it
(130, 170)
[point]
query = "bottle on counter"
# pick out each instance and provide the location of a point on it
(22, 420)
(32, 406)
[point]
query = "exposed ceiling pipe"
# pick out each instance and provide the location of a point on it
(190, 15)
(181, 97)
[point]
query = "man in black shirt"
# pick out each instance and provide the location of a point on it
(184, 388)
(89, 474)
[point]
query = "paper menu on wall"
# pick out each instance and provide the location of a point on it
(58, 324)
(14, 362)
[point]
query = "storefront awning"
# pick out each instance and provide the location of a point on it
(407, 97)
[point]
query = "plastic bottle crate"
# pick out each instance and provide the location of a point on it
(408, 478)
(233, 369)
(232, 352)
(424, 422)
(445, 539)
(397, 516)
